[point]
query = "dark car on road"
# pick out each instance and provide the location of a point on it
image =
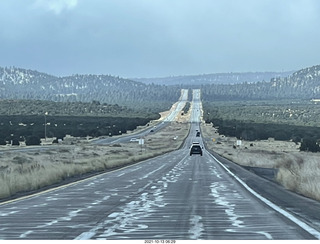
(195, 149)
(198, 134)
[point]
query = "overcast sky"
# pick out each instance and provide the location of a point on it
(156, 38)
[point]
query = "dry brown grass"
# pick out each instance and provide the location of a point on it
(297, 171)
(27, 171)
(300, 173)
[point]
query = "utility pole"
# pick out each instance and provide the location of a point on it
(45, 126)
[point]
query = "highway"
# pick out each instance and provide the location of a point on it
(173, 197)
(169, 118)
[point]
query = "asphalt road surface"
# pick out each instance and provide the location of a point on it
(171, 117)
(173, 196)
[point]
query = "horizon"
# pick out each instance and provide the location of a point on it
(159, 77)
(159, 38)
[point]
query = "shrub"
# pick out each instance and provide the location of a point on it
(309, 144)
(33, 140)
(3, 141)
(15, 142)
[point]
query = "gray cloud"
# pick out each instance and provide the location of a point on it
(144, 38)
(56, 6)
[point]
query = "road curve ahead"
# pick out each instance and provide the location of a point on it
(173, 196)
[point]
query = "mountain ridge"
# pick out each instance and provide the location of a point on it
(302, 84)
(217, 78)
(18, 83)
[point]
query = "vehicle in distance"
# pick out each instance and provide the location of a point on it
(133, 139)
(195, 149)
(198, 134)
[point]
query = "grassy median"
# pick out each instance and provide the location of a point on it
(28, 171)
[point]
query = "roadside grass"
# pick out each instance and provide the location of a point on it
(29, 171)
(296, 171)
(300, 173)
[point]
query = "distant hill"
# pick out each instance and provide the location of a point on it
(218, 78)
(305, 82)
(302, 84)
(17, 83)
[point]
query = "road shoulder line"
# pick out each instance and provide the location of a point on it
(286, 214)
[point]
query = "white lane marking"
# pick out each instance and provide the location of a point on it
(24, 235)
(267, 235)
(286, 214)
(196, 227)
(85, 235)
(152, 172)
(3, 214)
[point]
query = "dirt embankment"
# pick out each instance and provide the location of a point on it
(295, 170)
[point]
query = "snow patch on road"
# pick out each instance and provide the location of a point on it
(220, 199)
(196, 228)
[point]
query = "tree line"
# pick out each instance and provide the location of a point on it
(17, 83)
(31, 120)
(244, 124)
(31, 128)
(93, 108)
(303, 84)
